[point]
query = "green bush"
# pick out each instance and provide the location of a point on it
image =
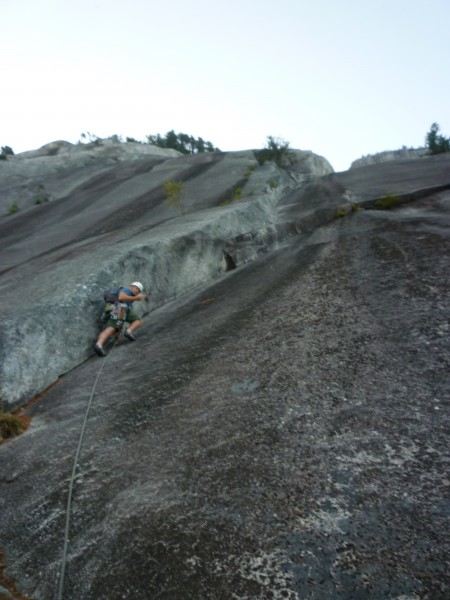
(10, 425)
(174, 190)
(13, 209)
(277, 151)
(237, 193)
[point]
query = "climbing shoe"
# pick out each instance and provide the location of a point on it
(99, 350)
(129, 336)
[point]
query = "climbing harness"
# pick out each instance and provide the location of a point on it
(73, 476)
(118, 312)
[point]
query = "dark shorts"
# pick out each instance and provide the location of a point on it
(132, 316)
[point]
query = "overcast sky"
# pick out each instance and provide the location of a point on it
(342, 78)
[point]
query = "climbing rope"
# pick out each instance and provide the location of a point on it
(72, 481)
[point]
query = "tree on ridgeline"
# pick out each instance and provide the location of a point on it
(277, 150)
(184, 143)
(436, 143)
(6, 151)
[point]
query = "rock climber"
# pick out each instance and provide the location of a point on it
(118, 310)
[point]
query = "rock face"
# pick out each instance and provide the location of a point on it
(59, 168)
(389, 155)
(278, 430)
(117, 224)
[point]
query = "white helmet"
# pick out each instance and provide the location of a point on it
(138, 285)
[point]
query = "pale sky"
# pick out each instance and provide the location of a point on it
(342, 78)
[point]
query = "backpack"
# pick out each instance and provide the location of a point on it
(111, 296)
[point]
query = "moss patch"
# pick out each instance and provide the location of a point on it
(388, 202)
(12, 425)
